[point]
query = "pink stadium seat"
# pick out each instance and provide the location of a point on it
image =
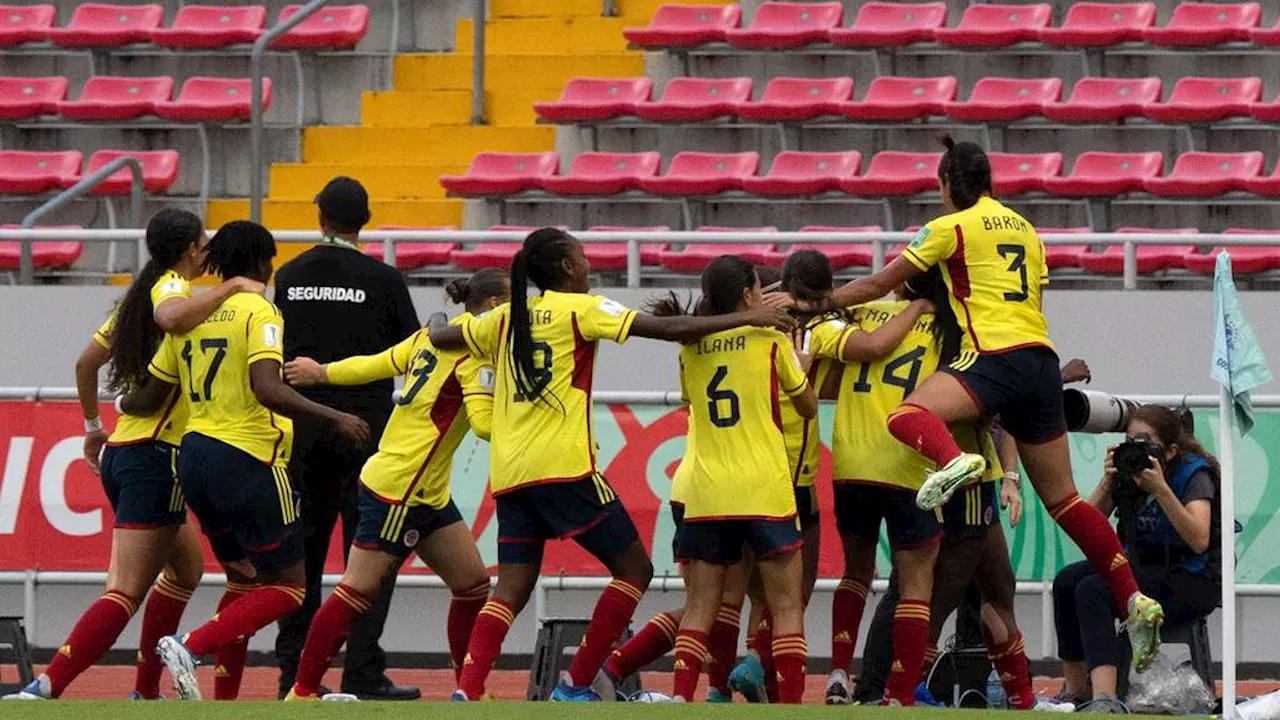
(94, 25)
(902, 98)
(1205, 100)
(491, 254)
(1245, 259)
(1265, 185)
(27, 173)
(1151, 258)
(991, 26)
(209, 99)
(792, 98)
(685, 26)
(688, 99)
(1105, 100)
(25, 23)
(46, 254)
(413, 255)
(613, 256)
(1063, 256)
(332, 26)
(1267, 37)
(700, 173)
(1014, 173)
(997, 99)
(1268, 112)
(117, 98)
(159, 171)
(695, 256)
(841, 255)
(1100, 174)
(28, 97)
(496, 173)
(788, 25)
(212, 26)
(896, 173)
(1205, 174)
(591, 99)
(891, 24)
(805, 173)
(1092, 24)
(1204, 24)
(603, 173)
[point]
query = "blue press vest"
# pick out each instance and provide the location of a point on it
(1156, 531)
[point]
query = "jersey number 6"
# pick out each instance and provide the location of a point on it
(719, 395)
(914, 359)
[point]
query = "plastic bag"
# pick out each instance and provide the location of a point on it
(1265, 707)
(1169, 687)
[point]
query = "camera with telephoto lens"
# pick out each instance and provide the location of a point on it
(1129, 459)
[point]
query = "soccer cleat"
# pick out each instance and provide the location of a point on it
(941, 485)
(182, 666)
(717, 697)
(339, 697)
(293, 696)
(1145, 620)
(135, 695)
(747, 679)
(459, 696)
(838, 690)
(1054, 705)
(565, 692)
(926, 698)
(38, 689)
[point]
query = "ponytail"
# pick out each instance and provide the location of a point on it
(966, 170)
(668, 305)
(540, 261)
(474, 291)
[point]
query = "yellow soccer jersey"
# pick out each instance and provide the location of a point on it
(680, 480)
(801, 433)
(734, 381)
(210, 366)
(551, 440)
(994, 266)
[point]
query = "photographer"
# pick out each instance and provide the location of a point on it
(1166, 489)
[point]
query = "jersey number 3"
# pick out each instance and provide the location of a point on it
(420, 375)
(1017, 257)
(718, 395)
(219, 348)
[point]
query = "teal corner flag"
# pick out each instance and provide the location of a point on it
(1238, 362)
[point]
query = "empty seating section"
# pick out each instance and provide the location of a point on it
(21, 24)
(991, 26)
(1206, 100)
(693, 99)
(601, 173)
(1104, 100)
(685, 26)
(791, 99)
(587, 99)
(1102, 174)
(111, 98)
(95, 25)
(779, 25)
(805, 173)
(22, 98)
(502, 174)
(699, 173)
(1090, 24)
(891, 24)
(902, 98)
(1205, 24)
(1006, 99)
(212, 26)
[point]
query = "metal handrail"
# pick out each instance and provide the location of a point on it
(477, 62)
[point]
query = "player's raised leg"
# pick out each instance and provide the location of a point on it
(921, 424)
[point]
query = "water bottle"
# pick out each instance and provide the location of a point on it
(996, 698)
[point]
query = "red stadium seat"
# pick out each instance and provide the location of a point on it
(1206, 100)
(1015, 173)
(896, 173)
(26, 173)
(491, 254)
(891, 24)
(494, 173)
(1265, 185)
(603, 173)
(45, 254)
(1245, 259)
(593, 99)
(700, 173)
(695, 256)
(25, 23)
(805, 173)
(413, 255)
(1100, 174)
(1267, 37)
(791, 99)
(1204, 24)
(1105, 100)
(94, 25)
(1268, 112)
(613, 256)
(117, 98)
(332, 26)
(992, 26)
(841, 255)
(1063, 256)
(997, 99)
(685, 26)
(688, 99)
(902, 98)
(1151, 258)
(1205, 174)
(787, 25)
(212, 26)
(159, 171)
(28, 97)
(1092, 24)
(208, 99)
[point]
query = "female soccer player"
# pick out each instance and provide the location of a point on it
(995, 269)
(404, 488)
(544, 474)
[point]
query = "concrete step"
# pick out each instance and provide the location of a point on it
(546, 36)
(417, 108)
(444, 145)
(452, 71)
(301, 214)
(301, 181)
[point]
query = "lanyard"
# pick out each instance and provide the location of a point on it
(333, 240)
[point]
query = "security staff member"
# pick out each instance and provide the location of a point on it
(338, 302)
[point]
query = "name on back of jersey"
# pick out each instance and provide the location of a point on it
(540, 317)
(1005, 222)
(221, 315)
(326, 294)
(722, 344)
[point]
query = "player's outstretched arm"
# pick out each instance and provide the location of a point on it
(806, 402)
(855, 292)
(148, 398)
(180, 315)
(448, 338)
(357, 370)
(276, 396)
(688, 328)
(879, 343)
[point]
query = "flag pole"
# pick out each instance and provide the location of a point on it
(1226, 460)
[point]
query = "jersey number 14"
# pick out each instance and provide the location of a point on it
(912, 361)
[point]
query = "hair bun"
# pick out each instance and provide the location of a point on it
(948, 142)
(457, 290)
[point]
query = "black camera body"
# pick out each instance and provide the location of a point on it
(1129, 459)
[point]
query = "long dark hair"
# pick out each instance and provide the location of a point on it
(807, 275)
(1171, 429)
(966, 169)
(723, 282)
(472, 292)
(241, 248)
(540, 261)
(135, 334)
(946, 328)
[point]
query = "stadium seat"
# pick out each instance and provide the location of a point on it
(992, 26)
(613, 256)
(95, 25)
(1063, 256)
(787, 25)
(212, 26)
(841, 255)
(700, 173)
(1268, 112)
(603, 173)
(896, 173)
(997, 99)
(1101, 174)
(688, 99)
(1245, 259)
(117, 98)
(27, 173)
(891, 24)
(792, 99)
(1105, 100)
(45, 254)
(1265, 185)
(209, 99)
(805, 173)
(1015, 173)
(1205, 174)
(1151, 258)
(332, 26)
(693, 257)
(902, 98)
(1205, 24)
(22, 98)
(413, 255)
(1205, 100)
(159, 171)
(674, 26)
(1091, 24)
(1266, 37)
(491, 254)
(593, 99)
(21, 24)
(496, 173)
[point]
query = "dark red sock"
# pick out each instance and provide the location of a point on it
(924, 432)
(764, 647)
(486, 642)
(93, 635)
(612, 615)
(1010, 661)
(160, 618)
(846, 616)
(910, 636)
(1089, 529)
(328, 633)
(691, 653)
(790, 656)
(930, 657)
(654, 640)
(723, 647)
(244, 617)
(228, 663)
(463, 610)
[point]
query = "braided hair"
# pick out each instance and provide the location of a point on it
(540, 261)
